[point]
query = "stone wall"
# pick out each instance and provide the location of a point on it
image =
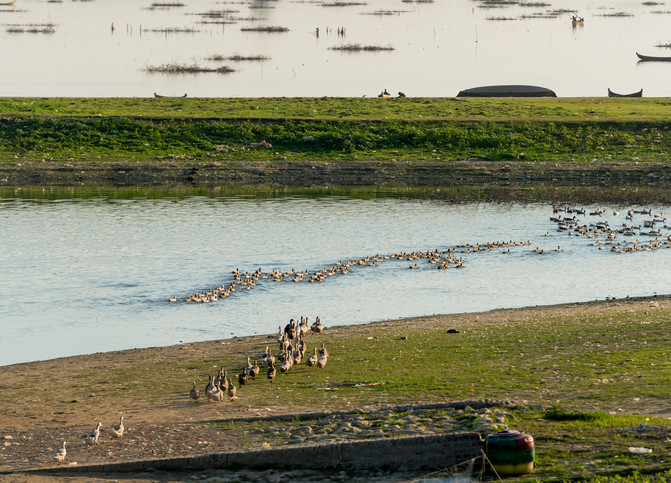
(433, 452)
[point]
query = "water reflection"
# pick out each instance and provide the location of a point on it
(104, 48)
(89, 275)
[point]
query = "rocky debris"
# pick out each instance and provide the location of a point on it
(386, 423)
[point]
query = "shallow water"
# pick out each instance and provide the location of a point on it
(88, 275)
(440, 47)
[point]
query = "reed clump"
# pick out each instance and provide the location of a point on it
(266, 29)
(46, 28)
(238, 58)
(187, 69)
(362, 48)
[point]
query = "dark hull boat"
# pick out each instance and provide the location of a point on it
(507, 91)
(653, 59)
(633, 94)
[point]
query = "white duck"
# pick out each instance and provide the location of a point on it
(248, 367)
(60, 456)
(92, 437)
(264, 357)
(118, 429)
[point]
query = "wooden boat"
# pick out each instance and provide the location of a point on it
(158, 95)
(633, 94)
(651, 58)
(507, 91)
(8, 4)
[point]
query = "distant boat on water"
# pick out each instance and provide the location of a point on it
(633, 94)
(651, 58)
(507, 91)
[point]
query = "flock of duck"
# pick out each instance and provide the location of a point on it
(246, 281)
(605, 235)
(92, 437)
(291, 352)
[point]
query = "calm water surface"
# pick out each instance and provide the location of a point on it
(82, 276)
(440, 47)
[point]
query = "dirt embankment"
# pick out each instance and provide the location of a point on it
(301, 173)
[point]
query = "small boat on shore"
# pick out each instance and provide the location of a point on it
(158, 95)
(633, 94)
(650, 58)
(507, 91)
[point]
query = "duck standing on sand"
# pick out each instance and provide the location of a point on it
(118, 429)
(93, 435)
(60, 456)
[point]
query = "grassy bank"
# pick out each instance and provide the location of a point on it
(483, 144)
(588, 381)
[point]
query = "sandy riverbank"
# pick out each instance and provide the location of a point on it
(46, 402)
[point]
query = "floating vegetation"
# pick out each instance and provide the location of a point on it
(614, 14)
(187, 69)
(662, 12)
(216, 13)
(218, 22)
(362, 48)
(417, 1)
(535, 4)
(652, 4)
(501, 18)
(344, 4)
(238, 58)
(385, 12)
(664, 46)
(267, 28)
(496, 3)
(166, 5)
(46, 28)
(173, 30)
(547, 14)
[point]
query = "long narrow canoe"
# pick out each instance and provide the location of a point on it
(507, 91)
(653, 59)
(633, 94)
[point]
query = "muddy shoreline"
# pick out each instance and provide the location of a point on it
(458, 180)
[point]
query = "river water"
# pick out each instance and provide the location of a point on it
(88, 275)
(68, 48)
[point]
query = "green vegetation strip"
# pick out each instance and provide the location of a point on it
(334, 128)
